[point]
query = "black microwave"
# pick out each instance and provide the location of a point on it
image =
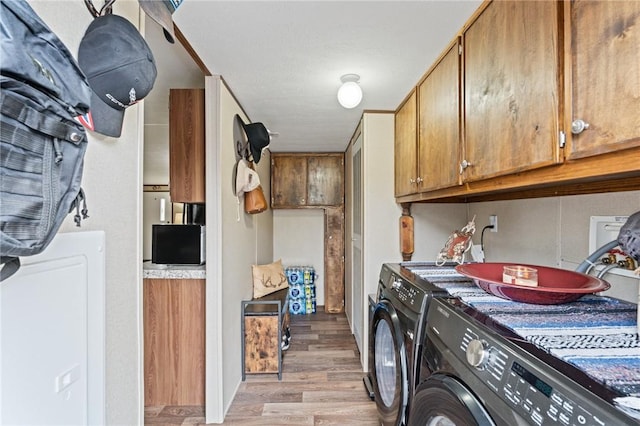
(178, 244)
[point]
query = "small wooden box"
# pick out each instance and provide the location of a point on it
(261, 344)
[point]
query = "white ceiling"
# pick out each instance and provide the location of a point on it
(283, 59)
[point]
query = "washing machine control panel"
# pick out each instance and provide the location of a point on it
(409, 294)
(537, 392)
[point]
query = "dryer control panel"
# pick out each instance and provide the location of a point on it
(533, 389)
(394, 286)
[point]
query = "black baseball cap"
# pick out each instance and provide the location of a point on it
(120, 68)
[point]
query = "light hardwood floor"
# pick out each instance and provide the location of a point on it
(321, 384)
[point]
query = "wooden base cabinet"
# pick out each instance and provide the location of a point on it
(174, 341)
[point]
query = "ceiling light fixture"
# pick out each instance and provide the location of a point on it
(350, 93)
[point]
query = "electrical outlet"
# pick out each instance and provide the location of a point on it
(493, 220)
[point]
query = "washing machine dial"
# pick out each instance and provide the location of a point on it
(396, 284)
(477, 353)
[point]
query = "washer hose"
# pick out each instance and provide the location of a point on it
(590, 261)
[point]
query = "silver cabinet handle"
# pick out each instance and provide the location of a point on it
(463, 165)
(419, 180)
(412, 181)
(578, 126)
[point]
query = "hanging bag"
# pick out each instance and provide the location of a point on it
(42, 146)
(254, 200)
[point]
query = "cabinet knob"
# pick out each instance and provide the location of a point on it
(419, 180)
(578, 126)
(412, 181)
(463, 165)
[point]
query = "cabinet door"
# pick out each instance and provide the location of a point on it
(605, 70)
(174, 339)
(439, 120)
(405, 146)
(186, 145)
(511, 95)
(288, 181)
(325, 180)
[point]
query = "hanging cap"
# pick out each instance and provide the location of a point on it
(161, 11)
(259, 139)
(256, 136)
(120, 69)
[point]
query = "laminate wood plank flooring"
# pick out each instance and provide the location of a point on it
(321, 384)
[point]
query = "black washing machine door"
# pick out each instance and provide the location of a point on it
(444, 401)
(389, 364)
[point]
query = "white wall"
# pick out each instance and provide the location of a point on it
(232, 247)
(433, 223)
(380, 240)
(380, 233)
(112, 181)
(552, 231)
(298, 239)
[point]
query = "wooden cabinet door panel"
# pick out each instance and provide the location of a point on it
(511, 97)
(405, 146)
(174, 341)
(334, 259)
(186, 146)
(605, 47)
(439, 120)
(325, 180)
(289, 181)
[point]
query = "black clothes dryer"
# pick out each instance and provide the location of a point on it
(475, 372)
(395, 338)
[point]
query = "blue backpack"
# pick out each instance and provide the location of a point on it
(42, 144)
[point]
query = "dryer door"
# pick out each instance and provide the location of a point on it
(389, 368)
(444, 401)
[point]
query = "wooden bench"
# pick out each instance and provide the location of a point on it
(265, 333)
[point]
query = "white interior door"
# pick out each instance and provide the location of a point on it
(356, 244)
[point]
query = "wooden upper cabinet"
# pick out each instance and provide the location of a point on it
(406, 148)
(325, 180)
(511, 88)
(439, 120)
(307, 180)
(186, 146)
(288, 180)
(529, 71)
(604, 76)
